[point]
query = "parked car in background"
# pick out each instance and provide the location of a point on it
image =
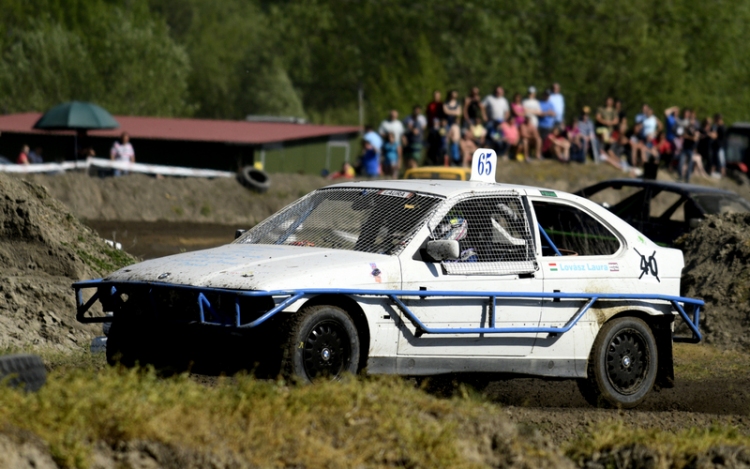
(663, 211)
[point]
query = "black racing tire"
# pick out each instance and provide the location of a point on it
(323, 343)
(622, 366)
(23, 371)
(254, 179)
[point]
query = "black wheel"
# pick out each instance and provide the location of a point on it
(23, 371)
(254, 179)
(322, 343)
(622, 365)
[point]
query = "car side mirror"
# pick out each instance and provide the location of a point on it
(239, 233)
(443, 249)
(695, 222)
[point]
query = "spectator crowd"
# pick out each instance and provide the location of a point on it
(534, 127)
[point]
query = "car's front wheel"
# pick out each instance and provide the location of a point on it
(322, 343)
(623, 364)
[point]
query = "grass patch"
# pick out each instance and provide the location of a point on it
(700, 362)
(678, 448)
(375, 422)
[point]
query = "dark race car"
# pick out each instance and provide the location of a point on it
(663, 211)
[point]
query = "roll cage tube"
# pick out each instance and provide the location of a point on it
(548, 239)
(283, 298)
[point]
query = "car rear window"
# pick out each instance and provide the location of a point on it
(716, 204)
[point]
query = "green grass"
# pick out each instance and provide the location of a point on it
(377, 422)
(680, 448)
(700, 362)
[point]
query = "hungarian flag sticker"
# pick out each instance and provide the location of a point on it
(553, 267)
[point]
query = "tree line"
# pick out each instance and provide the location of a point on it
(309, 58)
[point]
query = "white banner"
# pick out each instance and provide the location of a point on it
(103, 163)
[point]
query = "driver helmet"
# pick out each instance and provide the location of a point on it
(453, 229)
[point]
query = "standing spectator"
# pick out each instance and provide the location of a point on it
(454, 141)
(474, 113)
(588, 136)
(606, 120)
(390, 156)
(531, 107)
(436, 142)
(369, 163)
(651, 125)
(468, 147)
(23, 156)
(719, 151)
(452, 108)
(530, 137)
(35, 156)
(706, 144)
(123, 152)
(511, 137)
(546, 117)
(558, 103)
(517, 110)
(496, 108)
(690, 139)
(393, 126)
(374, 138)
(670, 123)
(415, 126)
(435, 108)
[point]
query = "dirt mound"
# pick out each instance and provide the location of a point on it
(137, 197)
(43, 248)
(717, 269)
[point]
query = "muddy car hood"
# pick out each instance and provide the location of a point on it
(267, 267)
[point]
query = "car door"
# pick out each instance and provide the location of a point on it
(592, 259)
(498, 254)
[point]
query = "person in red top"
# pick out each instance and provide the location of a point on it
(23, 157)
(434, 109)
(556, 146)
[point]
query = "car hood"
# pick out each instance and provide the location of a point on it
(267, 267)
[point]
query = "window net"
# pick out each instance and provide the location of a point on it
(368, 220)
(493, 235)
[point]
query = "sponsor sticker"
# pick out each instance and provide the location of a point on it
(613, 267)
(394, 193)
(548, 193)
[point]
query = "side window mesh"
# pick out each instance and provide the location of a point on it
(366, 220)
(493, 234)
(574, 232)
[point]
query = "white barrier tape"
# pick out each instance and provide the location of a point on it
(109, 164)
(158, 169)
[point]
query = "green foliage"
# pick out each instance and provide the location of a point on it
(310, 57)
(121, 59)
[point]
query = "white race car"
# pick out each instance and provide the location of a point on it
(422, 277)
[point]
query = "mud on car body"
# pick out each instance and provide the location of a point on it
(422, 277)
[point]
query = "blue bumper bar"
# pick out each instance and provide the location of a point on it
(283, 298)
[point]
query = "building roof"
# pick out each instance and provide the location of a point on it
(205, 130)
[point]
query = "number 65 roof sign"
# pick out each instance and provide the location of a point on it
(417, 277)
(483, 165)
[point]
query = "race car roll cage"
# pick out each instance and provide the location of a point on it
(283, 298)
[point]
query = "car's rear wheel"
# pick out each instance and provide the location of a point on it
(322, 343)
(622, 366)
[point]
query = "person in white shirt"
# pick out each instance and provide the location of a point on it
(558, 103)
(497, 107)
(392, 126)
(532, 107)
(122, 152)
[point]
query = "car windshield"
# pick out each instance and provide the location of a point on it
(716, 204)
(379, 221)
